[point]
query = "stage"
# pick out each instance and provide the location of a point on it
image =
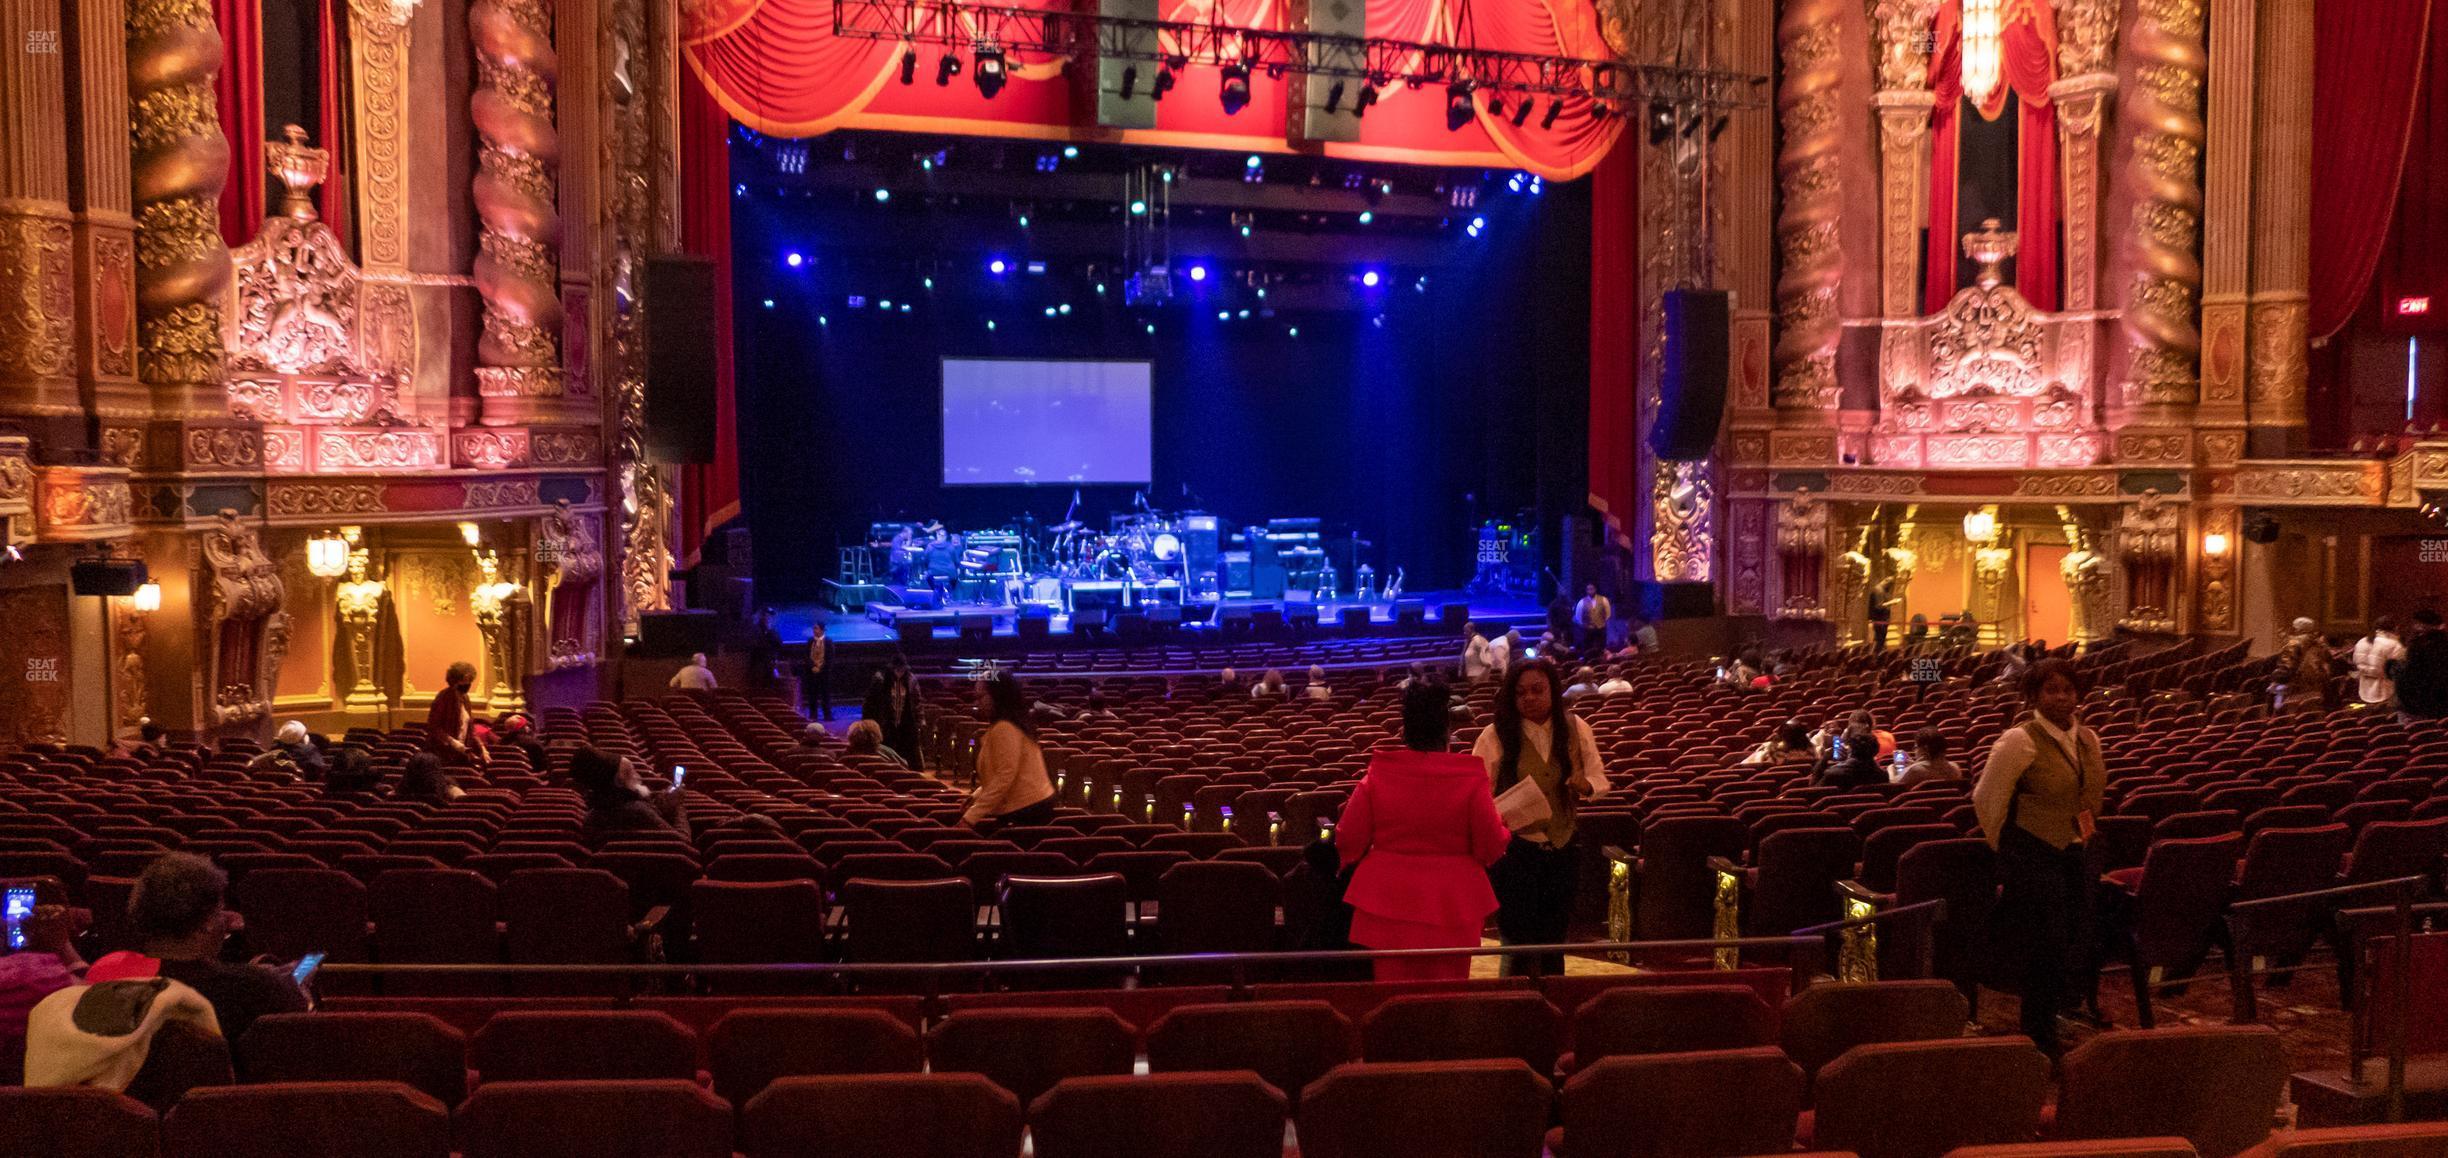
(1201, 623)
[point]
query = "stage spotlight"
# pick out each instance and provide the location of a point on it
(886, 304)
(1164, 83)
(795, 259)
(1458, 108)
(1367, 97)
(1334, 95)
(1253, 162)
(1514, 183)
(990, 325)
(1371, 278)
(989, 72)
(1066, 307)
(1235, 91)
(909, 66)
(769, 303)
(1151, 327)
(946, 69)
(1070, 152)
(1495, 106)
(1024, 221)
(1223, 315)
(883, 195)
(1367, 217)
(1521, 112)
(1130, 81)
(998, 267)
(1295, 332)
(1245, 231)
(1198, 273)
(1138, 208)
(1555, 108)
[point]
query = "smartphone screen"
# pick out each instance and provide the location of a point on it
(679, 775)
(20, 909)
(306, 967)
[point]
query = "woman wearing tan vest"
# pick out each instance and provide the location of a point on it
(2039, 799)
(1536, 738)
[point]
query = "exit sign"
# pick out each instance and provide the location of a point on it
(2410, 307)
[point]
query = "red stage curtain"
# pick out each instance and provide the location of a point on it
(240, 97)
(2367, 68)
(779, 69)
(709, 494)
(1577, 140)
(2417, 261)
(332, 134)
(1614, 387)
(2029, 64)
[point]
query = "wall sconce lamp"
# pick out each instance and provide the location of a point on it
(327, 556)
(147, 599)
(473, 534)
(2215, 544)
(1980, 528)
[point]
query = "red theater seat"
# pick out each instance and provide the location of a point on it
(749, 1048)
(1445, 1109)
(1176, 1115)
(2217, 1086)
(593, 1119)
(1027, 1051)
(1682, 1105)
(570, 1045)
(936, 1115)
(418, 1050)
(1920, 1099)
(1288, 1043)
(76, 1122)
(308, 1120)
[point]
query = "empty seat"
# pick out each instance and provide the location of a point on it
(1217, 906)
(1026, 1051)
(1288, 1043)
(308, 1120)
(2410, 1140)
(1683, 1105)
(909, 921)
(1676, 887)
(434, 916)
(1671, 1019)
(749, 1048)
(1920, 1099)
(291, 912)
(415, 1049)
(1045, 917)
(2172, 916)
(568, 916)
(1824, 1021)
(1455, 1026)
(1446, 1109)
(591, 1119)
(1174, 1115)
(76, 1122)
(2214, 1085)
(2101, 1148)
(755, 923)
(935, 1115)
(568, 1045)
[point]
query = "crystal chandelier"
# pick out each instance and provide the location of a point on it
(1983, 49)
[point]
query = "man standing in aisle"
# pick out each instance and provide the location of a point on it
(1591, 615)
(817, 686)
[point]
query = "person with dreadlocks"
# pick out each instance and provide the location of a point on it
(1537, 738)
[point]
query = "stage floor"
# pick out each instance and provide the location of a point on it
(795, 620)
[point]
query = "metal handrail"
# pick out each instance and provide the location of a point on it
(2401, 959)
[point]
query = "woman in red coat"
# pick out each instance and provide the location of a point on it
(1423, 828)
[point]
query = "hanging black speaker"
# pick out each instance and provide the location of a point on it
(680, 350)
(1692, 374)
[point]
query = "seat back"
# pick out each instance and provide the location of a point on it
(1173, 1115)
(1883, 850)
(1218, 906)
(2214, 1085)
(1671, 1019)
(587, 1119)
(573, 1045)
(291, 912)
(566, 916)
(2385, 849)
(1458, 1026)
(749, 1048)
(909, 921)
(757, 922)
(1288, 1043)
(2409, 1140)
(418, 1050)
(308, 1120)
(76, 1122)
(1796, 884)
(2280, 861)
(1677, 890)
(1444, 1109)
(938, 1115)
(1085, 916)
(1026, 1051)
(1921, 1099)
(434, 916)
(1683, 1105)
(1824, 1021)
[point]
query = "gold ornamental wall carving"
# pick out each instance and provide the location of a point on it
(2161, 319)
(1681, 540)
(635, 186)
(1809, 98)
(517, 267)
(180, 162)
(239, 618)
(378, 54)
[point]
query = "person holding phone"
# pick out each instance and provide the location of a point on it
(1537, 738)
(179, 913)
(2038, 801)
(617, 799)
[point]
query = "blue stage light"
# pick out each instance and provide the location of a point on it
(794, 259)
(1370, 279)
(1245, 231)
(1151, 327)
(1066, 307)
(1367, 216)
(1296, 331)
(823, 320)
(1138, 208)
(1070, 152)
(1253, 162)
(1223, 315)
(886, 304)
(929, 283)
(990, 323)
(1049, 311)
(769, 303)
(1245, 313)
(997, 267)
(1024, 221)
(1478, 223)
(883, 195)
(1198, 273)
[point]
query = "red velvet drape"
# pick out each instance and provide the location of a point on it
(709, 493)
(1614, 386)
(2367, 68)
(239, 93)
(2416, 263)
(2030, 67)
(332, 134)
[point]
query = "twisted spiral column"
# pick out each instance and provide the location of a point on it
(179, 163)
(2162, 323)
(517, 267)
(1807, 170)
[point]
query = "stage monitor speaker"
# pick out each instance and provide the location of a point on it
(1692, 377)
(1355, 620)
(668, 634)
(1674, 600)
(1411, 612)
(1033, 628)
(913, 631)
(680, 354)
(106, 576)
(1451, 616)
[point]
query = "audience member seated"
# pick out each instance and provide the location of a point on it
(293, 751)
(424, 781)
(1930, 763)
(178, 912)
(866, 738)
(1791, 745)
(617, 802)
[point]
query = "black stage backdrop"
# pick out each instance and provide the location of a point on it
(1401, 422)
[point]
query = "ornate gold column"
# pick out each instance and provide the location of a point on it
(129, 630)
(2221, 538)
(1801, 544)
(2086, 49)
(1810, 39)
(1904, 103)
(37, 274)
(357, 602)
(105, 230)
(2150, 543)
(501, 609)
(2276, 377)
(1746, 235)
(378, 58)
(179, 165)
(637, 153)
(2163, 338)
(517, 269)
(2227, 218)
(2084, 570)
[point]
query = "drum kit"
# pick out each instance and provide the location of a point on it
(1145, 548)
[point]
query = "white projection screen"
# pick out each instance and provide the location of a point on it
(1018, 422)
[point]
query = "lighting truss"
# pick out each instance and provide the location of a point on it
(1372, 60)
